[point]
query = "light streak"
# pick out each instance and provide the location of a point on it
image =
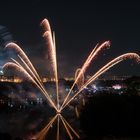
(76, 134)
(104, 69)
(80, 81)
(19, 68)
(77, 112)
(58, 127)
(24, 56)
(52, 52)
(41, 135)
(67, 129)
(44, 131)
(38, 82)
(45, 24)
(92, 55)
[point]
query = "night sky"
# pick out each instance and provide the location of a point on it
(79, 26)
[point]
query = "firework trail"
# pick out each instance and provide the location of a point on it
(67, 129)
(56, 72)
(17, 68)
(44, 131)
(77, 112)
(21, 53)
(70, 127)
(33, 75)
(52, 52)
(80, 81)
(58, 128)
(21, 69)
(92, 55)
(104, 69)
(45, 24)
(41, 135)
(31, 70)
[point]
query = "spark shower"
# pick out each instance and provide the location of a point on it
(24, 66)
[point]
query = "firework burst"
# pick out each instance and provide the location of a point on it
(27, 68)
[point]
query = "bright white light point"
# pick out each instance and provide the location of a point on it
(1, 72)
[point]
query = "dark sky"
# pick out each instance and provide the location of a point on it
(79, 26)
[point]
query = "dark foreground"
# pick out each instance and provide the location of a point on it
(112, 117)
(105, 117)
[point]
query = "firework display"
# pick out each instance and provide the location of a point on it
(25, 66)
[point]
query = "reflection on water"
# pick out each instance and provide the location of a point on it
(27, 123)
(26, 113)
(61, 122)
